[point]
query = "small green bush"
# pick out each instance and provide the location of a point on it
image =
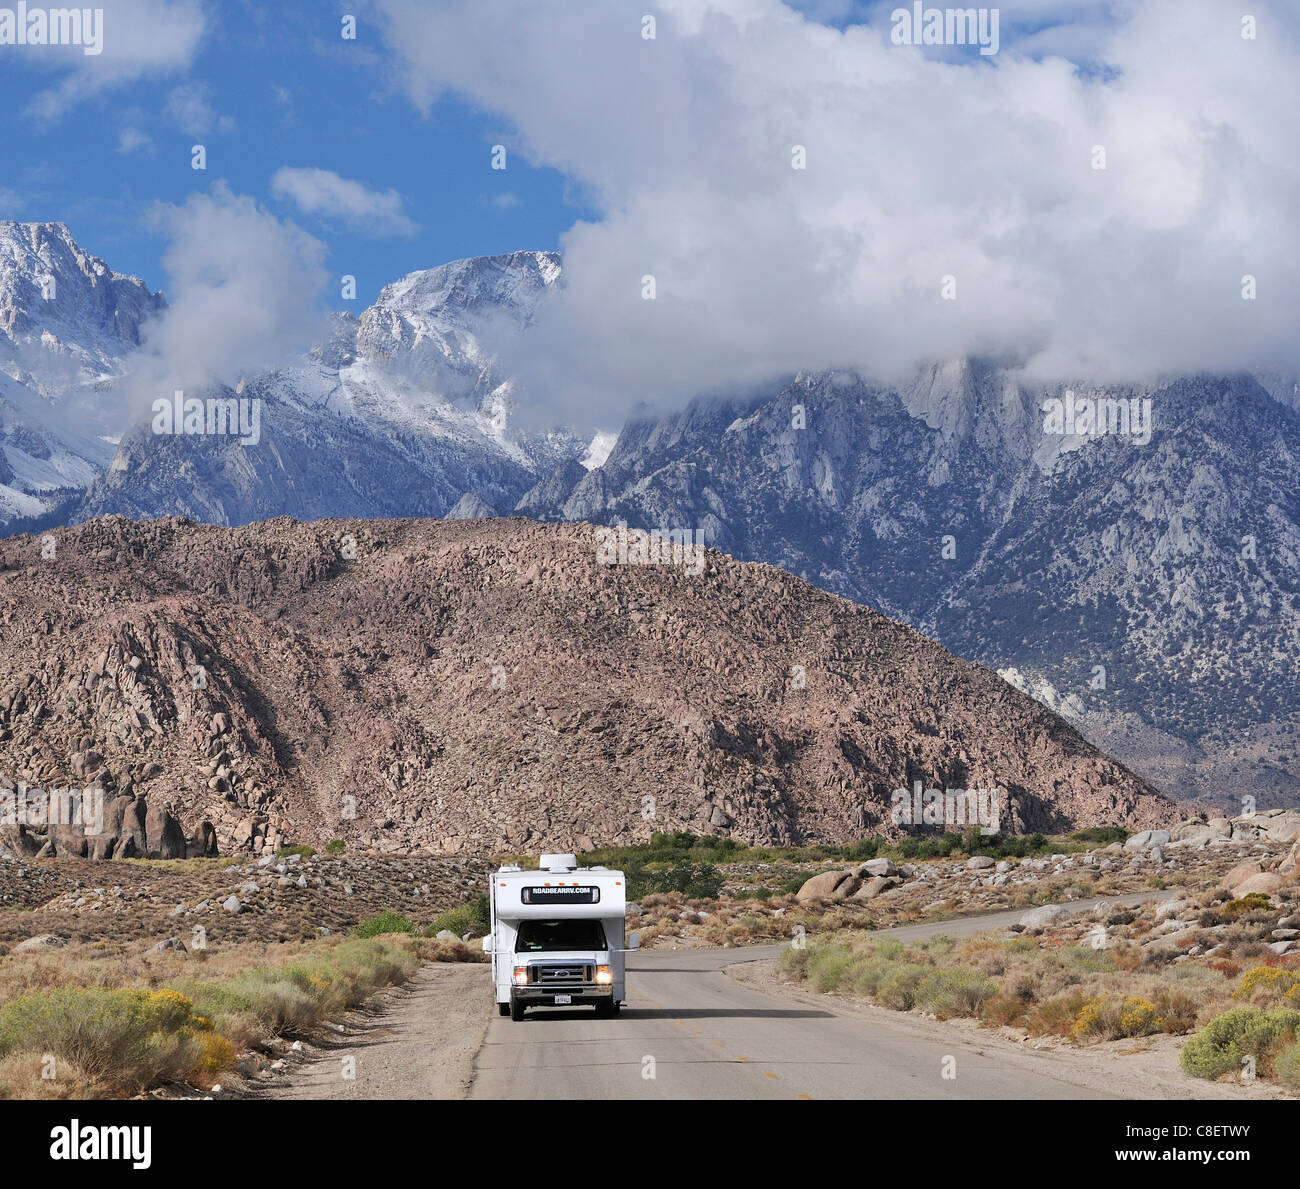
(954, 992)
(899, 985)
(1252, 902)
(1287, 1067)
(387, 921)
(285, 852)
(335, 846)
(1244, 1031)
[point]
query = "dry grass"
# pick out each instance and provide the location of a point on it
(86, 1023)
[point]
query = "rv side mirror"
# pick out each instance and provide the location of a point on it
(487, 944)
(634, 941)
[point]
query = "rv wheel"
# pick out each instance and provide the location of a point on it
(503, 1009)
(517, 1010)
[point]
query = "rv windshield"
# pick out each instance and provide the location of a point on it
(540, 937)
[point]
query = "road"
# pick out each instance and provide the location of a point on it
(692, 1031)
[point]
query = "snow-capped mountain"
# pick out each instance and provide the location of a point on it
(68, 322)
(401, 412)
(1144, 581)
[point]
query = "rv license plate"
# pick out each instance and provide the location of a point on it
(563, 999)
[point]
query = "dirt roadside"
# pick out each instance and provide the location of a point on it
(419, 1043)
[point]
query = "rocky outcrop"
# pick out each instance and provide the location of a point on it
(132, 829)
(467, 686)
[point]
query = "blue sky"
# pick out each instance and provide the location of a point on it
(260, 95)
(673, 157)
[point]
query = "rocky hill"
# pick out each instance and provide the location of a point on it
(466, 686)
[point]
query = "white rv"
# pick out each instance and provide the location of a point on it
(557, 937)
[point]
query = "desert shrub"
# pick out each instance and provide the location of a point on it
(1219, 1047)
(1287, 1067)
(307, 852)
(473, 918)
(1175, 1012)
(122, 1040)
(954, 992)
(1056, 1016)
(1253, 902)
(1005, 1010)
(1100, 835)
(387, 921)
(829, 966)
(899, 984)
(1265, 984)
(794, 960)
(335, 846)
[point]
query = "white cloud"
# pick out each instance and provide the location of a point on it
(917, 168)
(322, 192)
(246, 293)
(189, 108)
(142, 39)
(131, 138)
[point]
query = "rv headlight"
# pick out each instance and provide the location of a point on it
(604, 976)
(521, 975)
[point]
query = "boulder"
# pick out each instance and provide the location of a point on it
(882, 867)
(164, 837)
(169, 945)
(1266, 882)
(133, 838)
(46, 941)
(1146, 838)
(1169, 908)
(1282, 827)
(203, 843)
(1040, 918)
(232, 905)
(980, 863)
(875, 886)
(829, 885)
(1240, 873)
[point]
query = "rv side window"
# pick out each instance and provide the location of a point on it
(539, 937)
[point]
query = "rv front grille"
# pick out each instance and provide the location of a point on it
(569, 974)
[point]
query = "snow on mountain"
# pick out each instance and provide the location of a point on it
(401, 412)
(68, 322)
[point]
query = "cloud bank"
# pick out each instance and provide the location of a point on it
(918, 169)
(246, 295)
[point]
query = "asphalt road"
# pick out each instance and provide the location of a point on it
(690, 1030)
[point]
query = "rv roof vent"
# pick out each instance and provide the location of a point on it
(511, 867)
(559, 862)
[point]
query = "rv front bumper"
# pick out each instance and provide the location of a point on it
(536, 996)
